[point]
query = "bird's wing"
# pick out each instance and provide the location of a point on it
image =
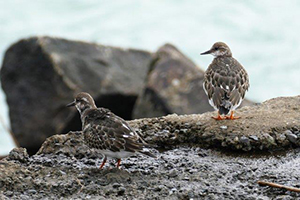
(226, 81)
(113, 133)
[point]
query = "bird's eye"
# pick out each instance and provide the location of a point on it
(216, 48)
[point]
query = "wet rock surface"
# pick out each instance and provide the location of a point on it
(181, 173)
(65, 167)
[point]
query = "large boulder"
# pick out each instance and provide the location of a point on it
(174, 85)
(40, 75)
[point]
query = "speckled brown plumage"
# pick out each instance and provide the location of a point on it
(106, 132)
(225, 80)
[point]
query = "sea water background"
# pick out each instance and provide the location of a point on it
(263, 35)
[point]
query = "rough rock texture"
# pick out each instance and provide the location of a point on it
(174, 85)
(181, 173)
(64, 167)
(271, 125)
(41, 75)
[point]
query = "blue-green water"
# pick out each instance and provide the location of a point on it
(263, 35)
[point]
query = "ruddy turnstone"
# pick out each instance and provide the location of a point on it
(225, 81)
(105, 131)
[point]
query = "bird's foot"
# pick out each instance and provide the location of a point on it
(103, 162)
(218, 118)
(118, 163)
(232, 117)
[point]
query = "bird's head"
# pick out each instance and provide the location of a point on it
(219, 49)
(83, 101)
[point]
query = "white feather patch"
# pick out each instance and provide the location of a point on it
(126, 126)
(212, 104)
(204, 88)
(85, 99)
(237, 105)
(86, 127)
(118, 154)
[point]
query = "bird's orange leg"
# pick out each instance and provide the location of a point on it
(219, 117)
(118, 162)
(232, 117)
(103, 162)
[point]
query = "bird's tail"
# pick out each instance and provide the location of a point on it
(225, 107)
(145, 144)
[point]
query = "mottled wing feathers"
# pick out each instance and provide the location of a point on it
(106, 131)
(225, 79)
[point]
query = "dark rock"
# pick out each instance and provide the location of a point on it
(217, 175)
(174, 85)
(121, 191)
(41, 75)
(171, 85)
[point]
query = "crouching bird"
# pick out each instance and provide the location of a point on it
(225, 81)
(109, 134)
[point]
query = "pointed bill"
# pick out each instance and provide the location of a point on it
(71, 104)
(206, 52)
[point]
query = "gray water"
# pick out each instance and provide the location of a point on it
(263, 35)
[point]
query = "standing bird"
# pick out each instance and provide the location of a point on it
(225, 81)
(105, 131)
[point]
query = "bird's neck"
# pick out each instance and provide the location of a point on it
(83, 115)
(83, 112)
(82, 108)
(224, 56)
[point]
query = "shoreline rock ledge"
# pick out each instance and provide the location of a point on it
(66, 168)
(272, 125)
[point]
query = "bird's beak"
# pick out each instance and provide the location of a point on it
(206, 52)
(71, 104)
